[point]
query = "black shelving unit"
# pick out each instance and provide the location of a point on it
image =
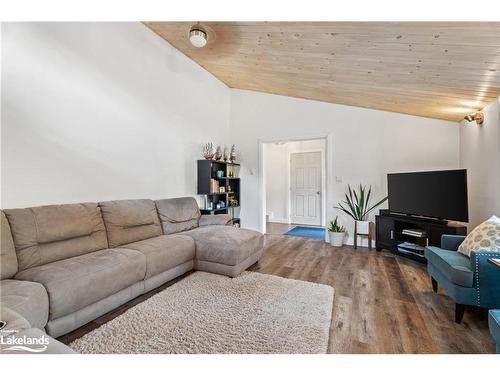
(212, 175)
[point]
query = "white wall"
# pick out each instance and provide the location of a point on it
(96, 111)
(364, 145)
(480, 154)
(276, 165)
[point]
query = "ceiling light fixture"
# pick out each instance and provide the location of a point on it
(477, 116)
(198, 36)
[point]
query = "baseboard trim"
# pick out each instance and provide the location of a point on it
(279, 221)
(362, 242)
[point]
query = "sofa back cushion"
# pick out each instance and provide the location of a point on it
(130, 221)
(49, 233)
(8, 257)
(178, 214)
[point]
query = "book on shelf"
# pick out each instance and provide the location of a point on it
(214, 186)
(411, 247)
(417, 253)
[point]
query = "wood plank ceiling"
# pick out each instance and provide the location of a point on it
(441, 70)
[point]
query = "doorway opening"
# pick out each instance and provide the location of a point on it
(294, 182)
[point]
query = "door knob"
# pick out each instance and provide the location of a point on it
(318, 192)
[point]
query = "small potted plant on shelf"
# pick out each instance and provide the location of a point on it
(357, 206)
(336, 233)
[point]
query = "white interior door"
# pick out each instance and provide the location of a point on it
(305, 188)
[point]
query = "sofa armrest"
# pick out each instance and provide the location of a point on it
(486, 278)
(13, 321)
(451, 242)
(222, 219)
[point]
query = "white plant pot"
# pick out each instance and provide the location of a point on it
(337, 238)
(362, 227)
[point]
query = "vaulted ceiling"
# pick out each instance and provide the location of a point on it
(441, 70)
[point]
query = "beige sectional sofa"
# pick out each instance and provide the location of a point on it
(65, 265)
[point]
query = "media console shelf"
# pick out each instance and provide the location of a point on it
(408, 235)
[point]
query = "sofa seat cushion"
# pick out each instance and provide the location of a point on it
(494, 324)
(164, 252)
(28, 299)
(225, 244)
(455, 266)
(83, 280)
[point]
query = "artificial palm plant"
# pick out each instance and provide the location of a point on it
(357, 204)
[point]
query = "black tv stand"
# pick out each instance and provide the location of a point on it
(432, 220)
(407, 235)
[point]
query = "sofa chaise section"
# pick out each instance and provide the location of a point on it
(226, 250)
(220, 248)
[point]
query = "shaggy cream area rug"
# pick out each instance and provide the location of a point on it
(208, 313)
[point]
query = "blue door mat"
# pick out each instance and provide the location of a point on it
(311, 232)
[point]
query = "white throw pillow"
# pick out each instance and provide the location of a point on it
(484, 237)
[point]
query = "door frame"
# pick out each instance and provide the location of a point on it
(327, 178)
(322, 185)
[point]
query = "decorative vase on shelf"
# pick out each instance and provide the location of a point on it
(232, 154)
(208, 151)
(218, 153)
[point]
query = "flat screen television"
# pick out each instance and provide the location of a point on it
(435, 194)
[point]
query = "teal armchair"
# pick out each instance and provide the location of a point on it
(467, 281)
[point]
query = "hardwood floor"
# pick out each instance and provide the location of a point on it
(382, 304)
(278, 228)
